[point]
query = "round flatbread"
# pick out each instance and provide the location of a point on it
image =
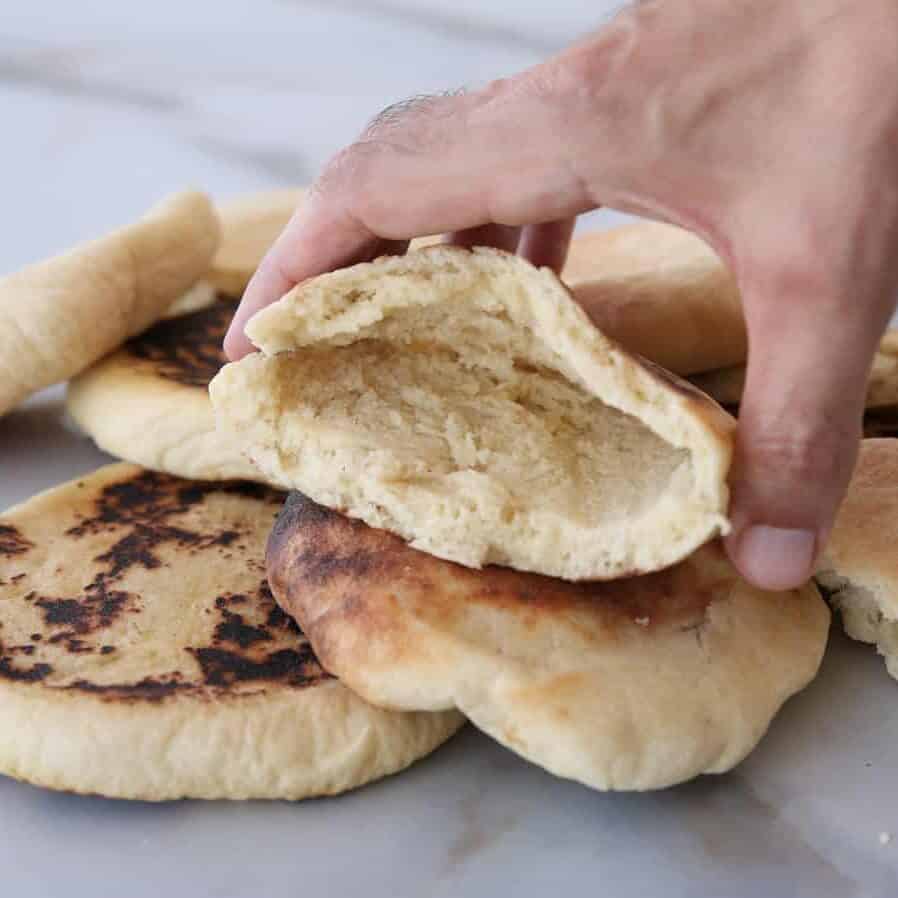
(726, 384)
(464, 401)
(249, 225)
(635, 684)
(142, 656)
(662, 292)
(59, 316)
(859, 567)
(149, 403)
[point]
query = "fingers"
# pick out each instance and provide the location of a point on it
(544, 244)
(318, 238)
(496, 159)
(799, 424)
(547, 244)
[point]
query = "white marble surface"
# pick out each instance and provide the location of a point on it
(106, 106)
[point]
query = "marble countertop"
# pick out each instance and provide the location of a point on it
(106, 106)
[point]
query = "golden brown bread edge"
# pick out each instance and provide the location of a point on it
(662, 293)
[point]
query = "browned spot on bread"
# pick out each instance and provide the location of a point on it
(329, 549)
(252, 644)
(147, 689)
(33, 674)
(12, 542)
(21, 650)
(224, 668)
(12, 672)
(140, 509)
(278, 619)
(235, 629)
(326, 568)
(187, 349)
(83, 615)
(249, 655)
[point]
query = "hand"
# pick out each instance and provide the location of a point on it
(769, 127)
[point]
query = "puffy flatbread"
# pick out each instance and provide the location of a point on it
(634, 684)
(148, 402)
(142, 655)
(859, 567)
(463, 400)
(59, 316)
(662, 292)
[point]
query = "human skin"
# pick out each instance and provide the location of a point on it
(768, 127)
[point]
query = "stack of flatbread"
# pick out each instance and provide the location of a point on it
(448, 486)
(142, 654)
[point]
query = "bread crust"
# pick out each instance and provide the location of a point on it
(628, 685)
(142, 655)
(60, 315)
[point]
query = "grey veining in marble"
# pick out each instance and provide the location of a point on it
(445, 20)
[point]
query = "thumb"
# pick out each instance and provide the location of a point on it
(799, 423)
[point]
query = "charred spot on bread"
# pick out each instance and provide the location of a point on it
(187, 349)
(142, 519)
(12, 542)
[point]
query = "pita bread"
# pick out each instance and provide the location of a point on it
(859, 567)
(143, 656)
(462, 400)
(149, 402)
(635, 684)
(662, 293)
(59, 316)
(249, 225)
(726, 384)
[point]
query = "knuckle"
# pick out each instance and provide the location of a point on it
(594, 69)
(619, 80)
(392, 117)
(347, 170)
(410, 122)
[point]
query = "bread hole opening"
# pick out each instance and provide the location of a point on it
(438, 396)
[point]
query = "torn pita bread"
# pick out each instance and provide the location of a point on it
(463, 400)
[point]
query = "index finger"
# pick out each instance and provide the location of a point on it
(434, 165)
(313, 242)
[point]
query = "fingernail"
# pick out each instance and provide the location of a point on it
(776, 558)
